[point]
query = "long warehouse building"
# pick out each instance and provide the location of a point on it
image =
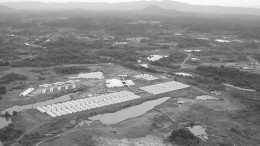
(69, 107)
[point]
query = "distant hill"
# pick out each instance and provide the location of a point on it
(137, 5)
(5, 8)
(156, 10)
(153, 8)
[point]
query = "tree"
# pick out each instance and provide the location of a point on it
(184, 137)
(2, 90)
(15, 113)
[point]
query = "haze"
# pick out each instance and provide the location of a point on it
(234, 3)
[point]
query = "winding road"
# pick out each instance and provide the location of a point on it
(185, 60)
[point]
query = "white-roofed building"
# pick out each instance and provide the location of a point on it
(45, 85)
(93, 75)
(129, 83)
(146, 77)
(164, 87)
(58, 83)
(113, 83)
(27, 92)
(184, 74)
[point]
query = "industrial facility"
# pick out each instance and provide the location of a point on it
(27, 92)
(69, 107)
(164, 87)
(146, 77)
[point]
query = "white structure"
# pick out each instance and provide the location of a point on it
(164, 87)
(120, 43)
(93, 75)
(59, 83)
(222, 41)
(44, 90)
(26, 92)
(144, 65)
(73, 81)
(79, 105)
(45, 85)
(189, 51)
(129, 83)
(206, 97)
(59, 88)
(73, 86)
(194, 59)
(156, 57)
(183, 74)
(146, 77)
(51, 89)
(112, 83)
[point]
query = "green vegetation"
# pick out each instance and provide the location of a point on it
(11, 77)
(191, 42)
(63, 51)
(8, 52)
(4, 63)
(250, 99)
(31, 139)
(257, 57)
(184, 137)
(122, 55)
(171, 60)
(125, 58)
(137, 67)
(9, 133)
(231, 76)
(70, 69)
(2, 90)
(54, 127)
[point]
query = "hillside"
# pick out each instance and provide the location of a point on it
(139, 5)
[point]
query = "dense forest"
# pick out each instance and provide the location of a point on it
(120, 23)
(63, 51)
(230, 76)
(11, 77)
(170, 61)
(9, 133)
(70, 70)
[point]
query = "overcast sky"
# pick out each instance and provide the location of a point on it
(241, 3)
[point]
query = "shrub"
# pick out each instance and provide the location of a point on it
(184, 137)
(70, 70)
(6, 79)
(2, 90)
(9, 133)
(4, 63)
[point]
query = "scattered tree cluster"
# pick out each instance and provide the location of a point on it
(231, 76)
(9, 133)
(70, 70)
(122, 55)
(63, 51)
(11, 77)
(191, 42)
(171, 60)
(4, 63)
(184, 137)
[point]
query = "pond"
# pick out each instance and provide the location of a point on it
(131, 112)
(18, 108)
